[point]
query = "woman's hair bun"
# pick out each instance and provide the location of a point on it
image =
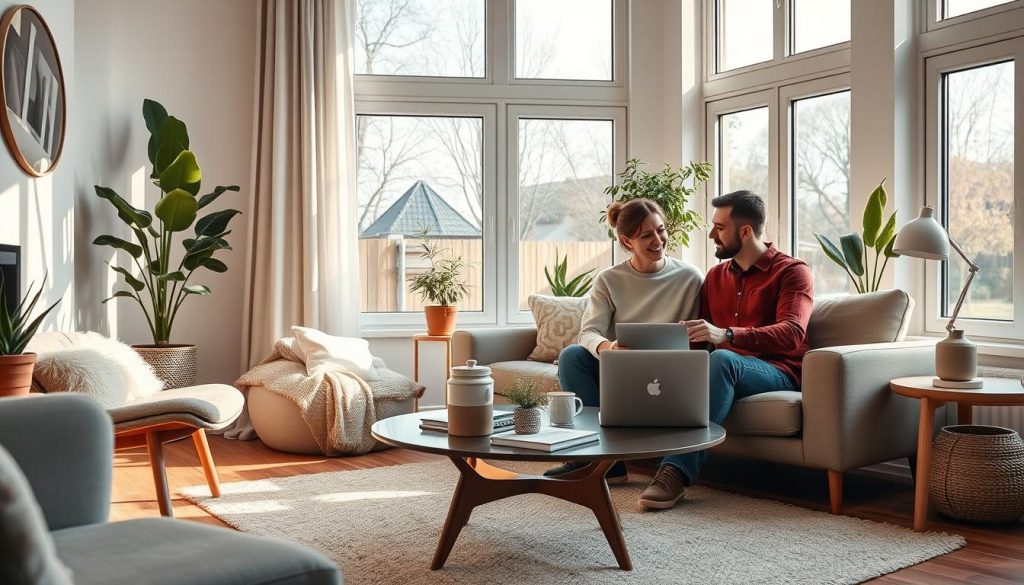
(613, 213)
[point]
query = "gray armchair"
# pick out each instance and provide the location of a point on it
(55, 495)
(844, 418)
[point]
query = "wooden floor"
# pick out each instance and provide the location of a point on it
(993, 555)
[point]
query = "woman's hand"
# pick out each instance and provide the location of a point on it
(700, 330)
(609, 345)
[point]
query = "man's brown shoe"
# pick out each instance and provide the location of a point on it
(667, 488)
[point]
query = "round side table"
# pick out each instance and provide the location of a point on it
(994, 392)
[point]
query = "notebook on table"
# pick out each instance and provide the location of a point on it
(547, 440)
(438, 421)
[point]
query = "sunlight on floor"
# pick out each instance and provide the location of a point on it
(375, 495)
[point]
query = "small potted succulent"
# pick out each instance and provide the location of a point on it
(16, 330)
(529, 396)
(442, 285)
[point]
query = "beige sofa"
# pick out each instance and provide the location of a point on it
(844, 418)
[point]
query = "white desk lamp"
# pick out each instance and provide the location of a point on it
(956, 357)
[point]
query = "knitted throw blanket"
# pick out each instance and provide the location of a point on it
(338, 406)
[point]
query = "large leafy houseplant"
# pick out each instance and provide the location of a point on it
(670, 188)
(16, 330)
(852, 252)
(165, 273)
(442, 284)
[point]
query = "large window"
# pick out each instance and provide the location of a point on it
(505, 167)
(744, 33)
(743, 151)
(819, 23)
(821, 183)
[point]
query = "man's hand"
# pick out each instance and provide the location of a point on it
(700, 330)
(609, 345)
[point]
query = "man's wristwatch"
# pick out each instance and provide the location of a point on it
(728, 334)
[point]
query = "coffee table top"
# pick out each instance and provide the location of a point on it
(619, 443)
(995, 391)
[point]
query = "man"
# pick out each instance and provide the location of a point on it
(754, 311)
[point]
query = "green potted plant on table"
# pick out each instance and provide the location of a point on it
(852, 253)
(670, 188)
(441, 284)
(16, 330)
(528, 395)
(164, 279)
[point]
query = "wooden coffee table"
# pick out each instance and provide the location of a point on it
(995, 392)
(481, 482)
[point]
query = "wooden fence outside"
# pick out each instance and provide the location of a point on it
(388, 263)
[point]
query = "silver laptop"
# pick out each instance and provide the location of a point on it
(654, 388)
(652, 335)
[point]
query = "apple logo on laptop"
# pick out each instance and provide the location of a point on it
(654, 388)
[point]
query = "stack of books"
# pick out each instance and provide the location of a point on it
(547, 440)
(438, 421)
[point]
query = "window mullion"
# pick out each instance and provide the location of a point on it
(780, 24)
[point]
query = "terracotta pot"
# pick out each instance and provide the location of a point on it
(440, 319)
(174, 364)
(16, 374)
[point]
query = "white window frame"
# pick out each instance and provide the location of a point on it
(491, 97)
(488, 115)
(714, 110)
(934, 20)
(616, 115)
(785, 64)
(935, 67)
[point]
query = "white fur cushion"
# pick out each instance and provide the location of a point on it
(95, 365)
(558, 323)
(324, 353)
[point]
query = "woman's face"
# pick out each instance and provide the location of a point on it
(648, 246)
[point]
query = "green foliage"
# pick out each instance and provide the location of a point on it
(669, 189)
(16, 330)
(526, 393)
(442, 283)
(852, 253)
(577, 287)
(159, 287)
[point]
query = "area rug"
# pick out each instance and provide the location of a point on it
(381, 526)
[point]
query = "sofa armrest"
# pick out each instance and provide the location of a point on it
(499, 344)
(850, 417)
(64, 444)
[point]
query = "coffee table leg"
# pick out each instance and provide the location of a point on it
(922, 479)
(480, 483)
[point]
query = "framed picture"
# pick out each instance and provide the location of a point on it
(33, 91)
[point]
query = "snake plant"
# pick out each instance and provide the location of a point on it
(16, 330)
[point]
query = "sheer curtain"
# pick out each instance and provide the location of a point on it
(303, 265)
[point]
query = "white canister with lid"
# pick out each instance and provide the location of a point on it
(470, 401)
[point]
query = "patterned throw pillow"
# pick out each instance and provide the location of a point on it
(558, 323)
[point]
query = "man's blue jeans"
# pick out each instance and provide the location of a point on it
(732, 376)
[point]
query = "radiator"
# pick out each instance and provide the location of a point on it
(1011, 417)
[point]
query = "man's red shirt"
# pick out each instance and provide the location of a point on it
(767, 307)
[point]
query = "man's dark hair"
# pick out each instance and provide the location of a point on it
(746, 206)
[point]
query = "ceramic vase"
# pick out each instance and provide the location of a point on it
(956, 357)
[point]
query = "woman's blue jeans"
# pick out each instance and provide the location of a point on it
(731, 376)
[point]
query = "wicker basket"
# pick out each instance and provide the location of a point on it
(175, 365)
(978, 473)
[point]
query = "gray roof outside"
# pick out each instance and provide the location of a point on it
(421, 207)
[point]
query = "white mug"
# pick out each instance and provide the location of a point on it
(563, 407)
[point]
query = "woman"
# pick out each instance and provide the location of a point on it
(650, 287)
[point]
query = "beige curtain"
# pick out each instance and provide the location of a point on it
(303, 264)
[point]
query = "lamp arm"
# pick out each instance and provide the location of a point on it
(972, 268)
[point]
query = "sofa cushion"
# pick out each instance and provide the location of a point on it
(558, 322)
(876, 317)
(505, 372)
(777, 414)
(29, 553)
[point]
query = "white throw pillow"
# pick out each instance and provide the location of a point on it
(558, 322)
(324, 353)
(92, 364)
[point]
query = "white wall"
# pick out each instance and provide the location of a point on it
(38, 214)
(198, 59)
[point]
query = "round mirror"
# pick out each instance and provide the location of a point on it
(32, 87)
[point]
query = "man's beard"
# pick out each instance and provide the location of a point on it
(726, 252)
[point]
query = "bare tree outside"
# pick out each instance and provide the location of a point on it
(979, 135)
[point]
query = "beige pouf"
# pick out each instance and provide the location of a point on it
(280, 426)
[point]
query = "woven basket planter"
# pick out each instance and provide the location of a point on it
(978, 473)
(526, 421)
(175, 365)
